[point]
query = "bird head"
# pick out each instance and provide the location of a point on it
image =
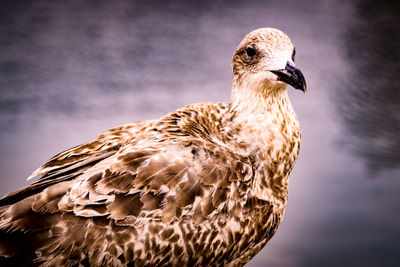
(265, 60)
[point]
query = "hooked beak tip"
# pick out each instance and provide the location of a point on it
(292, 76)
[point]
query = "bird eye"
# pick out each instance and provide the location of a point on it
(293, 54)
(251, 51)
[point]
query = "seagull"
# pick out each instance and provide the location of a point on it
(206, 185)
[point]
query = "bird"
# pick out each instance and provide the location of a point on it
(205, 185)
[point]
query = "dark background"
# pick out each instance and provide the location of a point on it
(71, 69)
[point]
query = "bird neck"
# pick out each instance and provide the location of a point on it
(261, 108)
(244, 98)
(265, 128)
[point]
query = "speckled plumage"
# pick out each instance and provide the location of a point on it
(204, 185)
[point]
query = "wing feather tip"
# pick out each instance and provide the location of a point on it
(34, 174)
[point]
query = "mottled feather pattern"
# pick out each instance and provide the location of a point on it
(204, 185)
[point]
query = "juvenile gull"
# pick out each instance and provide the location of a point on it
(204, 185)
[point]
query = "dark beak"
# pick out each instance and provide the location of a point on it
(292, 76)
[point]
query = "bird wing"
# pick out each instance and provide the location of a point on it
(170, 172)
(157, 175)
(73, 162)
(155, 182)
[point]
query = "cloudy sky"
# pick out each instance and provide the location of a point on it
(71, 70)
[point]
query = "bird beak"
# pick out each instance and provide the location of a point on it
(292, 76)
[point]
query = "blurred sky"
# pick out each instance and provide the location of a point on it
(71, 69)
